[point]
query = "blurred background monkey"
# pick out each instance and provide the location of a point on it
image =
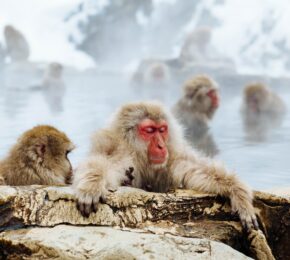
(262, 111)
(194, 111)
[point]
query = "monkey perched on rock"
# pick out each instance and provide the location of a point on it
(262, 110)
(145, 139)
(40, 156)
(195, 109)
(16, 45)
(196, 45)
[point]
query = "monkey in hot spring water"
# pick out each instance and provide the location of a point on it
(262, 111)
(194, 111)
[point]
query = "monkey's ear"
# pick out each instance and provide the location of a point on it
(40, 149)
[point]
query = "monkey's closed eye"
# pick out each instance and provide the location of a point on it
(162, 129)
(150, 130)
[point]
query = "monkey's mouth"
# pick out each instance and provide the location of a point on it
(157, 159)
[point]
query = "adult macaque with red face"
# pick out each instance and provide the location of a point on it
(155, 135)
(145, 139)
(195, 109)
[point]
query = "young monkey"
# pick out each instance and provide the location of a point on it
(40, 156)
(145, 137)
(195, 109)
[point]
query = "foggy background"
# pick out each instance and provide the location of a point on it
(101, 44)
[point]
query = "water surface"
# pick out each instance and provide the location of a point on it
(90, 99)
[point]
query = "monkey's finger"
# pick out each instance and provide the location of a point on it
(87, 209)
(95, 206)
(255, 222)
(95, 203)
(244, 224)
(103, 199)
(81, 207)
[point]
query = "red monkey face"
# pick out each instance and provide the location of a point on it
(212, 94)
(155, 135)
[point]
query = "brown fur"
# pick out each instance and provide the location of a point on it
(38, 157)
(194, 111)
(118, 148)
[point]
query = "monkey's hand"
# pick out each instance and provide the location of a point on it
(96, 178)
(89, 195)
(241, 201)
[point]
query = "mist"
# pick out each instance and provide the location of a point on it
(113, 52)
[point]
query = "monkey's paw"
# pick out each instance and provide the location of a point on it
(88, 203)
(247, 216)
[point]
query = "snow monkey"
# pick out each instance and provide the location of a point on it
(146, 139)
(53, 87)
(16, 44)
(195, 109)
(152, 71)
(40, 156)
(259, 99)
(262, 110)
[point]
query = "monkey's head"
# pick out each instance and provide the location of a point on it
(55, 70)
(158, 71)
(201, 95)
(9, 30)
(146, 126)
(45, 149)
(256, 97)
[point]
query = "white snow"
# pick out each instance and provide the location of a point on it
(42, 23)
(240, 36)
(243, 21)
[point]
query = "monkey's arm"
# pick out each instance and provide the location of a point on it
(98, 175)
(210, 176)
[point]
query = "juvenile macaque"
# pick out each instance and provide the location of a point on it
(40, 156)
(195, 109)
(54, 87)
(262, 110)
(145, 140)
(16, 45)
(151, 72)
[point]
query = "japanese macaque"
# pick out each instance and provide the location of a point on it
(145, 140)
(40, 156)
(16, 45)
(151, 72)
(195, 109)
(2, 56)
(54, 87)
(262, 111)
(196, 44)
